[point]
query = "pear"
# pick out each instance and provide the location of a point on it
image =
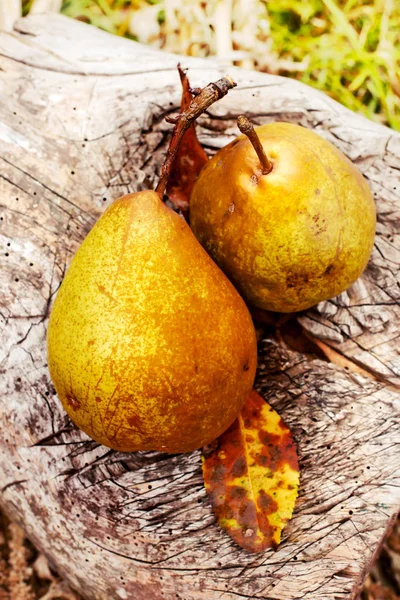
(150, 347)
(286, 216)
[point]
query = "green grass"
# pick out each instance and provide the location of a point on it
(352, 48)
(349, 49)
(111, 16)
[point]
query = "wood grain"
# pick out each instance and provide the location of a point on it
(81, 123)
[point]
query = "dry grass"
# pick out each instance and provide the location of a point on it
(25, 573)
(348, 48)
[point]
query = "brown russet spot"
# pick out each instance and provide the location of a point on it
(239, 467)
(229, 512)
(248, 513)
(134, 421)
(269, 439)
(238, 492)
(98, 399)
(321, 227)
(296, 280)
(73, 402)
(218, 473)
(278, 450)
(290, 453)
(246, 365)
(329, 269)
(267, 504)
(263, 460)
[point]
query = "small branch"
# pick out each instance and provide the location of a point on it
(246, 127)
(208, 95)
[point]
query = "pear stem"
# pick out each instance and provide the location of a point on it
(203, 100)
(246, 127)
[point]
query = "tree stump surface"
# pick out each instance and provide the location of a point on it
(81, 123)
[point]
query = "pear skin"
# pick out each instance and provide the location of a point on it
(293, 237)
(150, 347)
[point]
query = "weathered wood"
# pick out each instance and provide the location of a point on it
(81, 122)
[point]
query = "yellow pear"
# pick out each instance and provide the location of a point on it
(150, 347)
(292, 224)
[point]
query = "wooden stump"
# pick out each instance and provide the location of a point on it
(81, 123)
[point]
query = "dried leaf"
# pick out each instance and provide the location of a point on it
(190, 159)
(252, 476)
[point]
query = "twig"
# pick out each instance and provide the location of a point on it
(208, 95)
(246, 127)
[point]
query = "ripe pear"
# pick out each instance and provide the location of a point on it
(150, 347)
(291, 228)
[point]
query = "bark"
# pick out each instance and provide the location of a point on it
(81, 123)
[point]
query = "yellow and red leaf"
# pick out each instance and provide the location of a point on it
(190, 158)
(251, 475)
